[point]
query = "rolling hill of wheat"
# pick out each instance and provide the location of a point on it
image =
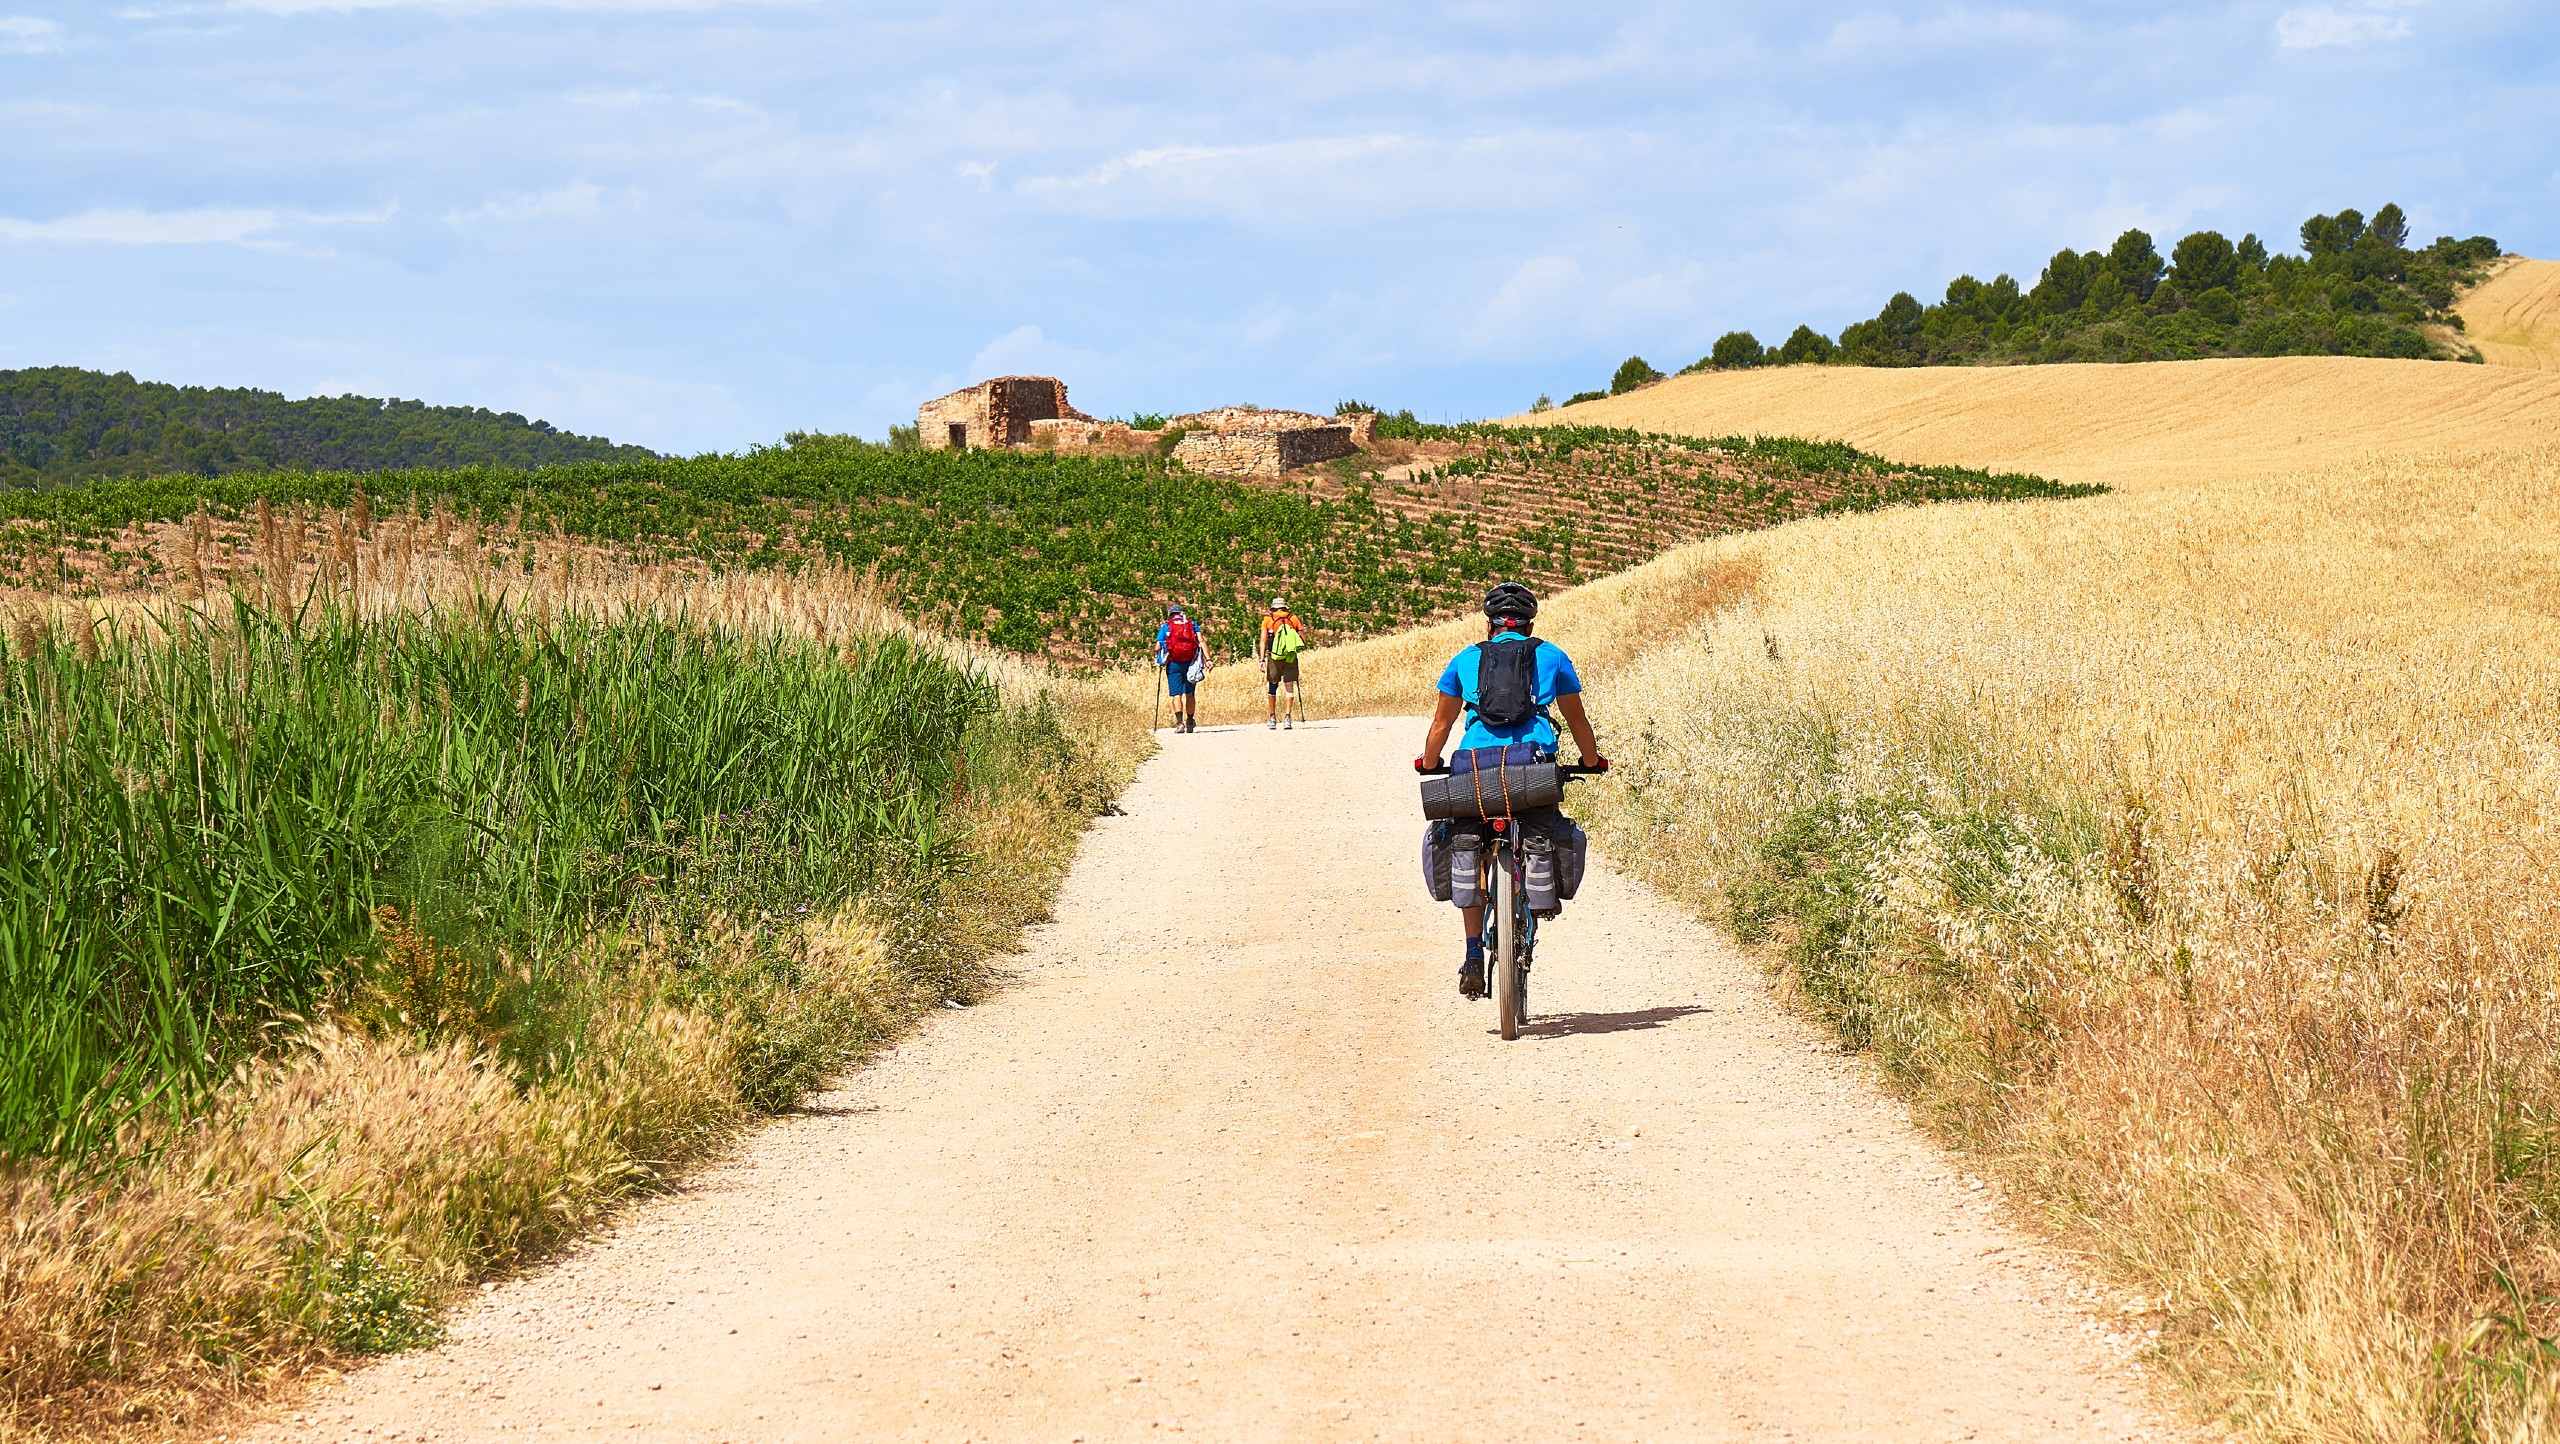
(2514, 316)
(2133, 427)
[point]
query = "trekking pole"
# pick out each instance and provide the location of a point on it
(1159, 700)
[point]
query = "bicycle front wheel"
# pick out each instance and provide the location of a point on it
(1507, 992)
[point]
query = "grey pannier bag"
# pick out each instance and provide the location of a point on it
(1435, 860)
(1466, 867)
(1573, 854)
(1551, 862)
(1538, 874)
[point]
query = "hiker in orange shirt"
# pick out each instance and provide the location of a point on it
(1282, 641)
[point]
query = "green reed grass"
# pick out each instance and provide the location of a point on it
(207, 816)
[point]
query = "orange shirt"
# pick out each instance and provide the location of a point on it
(1272, 622)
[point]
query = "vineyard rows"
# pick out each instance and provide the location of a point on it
(1071, 557)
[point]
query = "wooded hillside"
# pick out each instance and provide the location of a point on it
(63, 424)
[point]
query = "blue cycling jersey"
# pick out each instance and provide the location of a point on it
(1554, 678)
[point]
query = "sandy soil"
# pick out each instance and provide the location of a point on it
(2132, 427)
(1234, 1160)
(2514, 316)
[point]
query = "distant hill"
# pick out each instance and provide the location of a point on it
(2359, 288)
(2514, 317)
(2129, 427)
(62, 424)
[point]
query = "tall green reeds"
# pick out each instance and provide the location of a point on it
(211, 820)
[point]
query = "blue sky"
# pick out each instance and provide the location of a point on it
(700, 225)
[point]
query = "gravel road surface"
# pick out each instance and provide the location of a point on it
(1234, 1161)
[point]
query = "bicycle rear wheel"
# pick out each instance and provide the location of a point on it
(1506, 960)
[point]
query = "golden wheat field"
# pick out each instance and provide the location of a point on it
(2131, 427)
(2514, 316)
(2189, 852)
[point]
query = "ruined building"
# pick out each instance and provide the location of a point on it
(1252, 441)
(1032, 411)
(994, 413)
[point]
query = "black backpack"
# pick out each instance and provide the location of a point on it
(1507, 683)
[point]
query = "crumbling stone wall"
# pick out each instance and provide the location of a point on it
(998, 412)
(1226, 441)
(1249, 441)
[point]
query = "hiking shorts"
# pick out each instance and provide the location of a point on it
(1275, 672)
(1177, 679)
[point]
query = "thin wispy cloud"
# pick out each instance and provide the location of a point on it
(144, 228)
(441, 7)
(2322, 27)
(28, 35)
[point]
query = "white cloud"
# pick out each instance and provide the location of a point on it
(27, 35)
(448, 7)
(205, 226)
(1324, 180)
(142, 228)
(1026, 350)
(579, 201)
(1537, 298)
(1874, 35)
(2319, 27)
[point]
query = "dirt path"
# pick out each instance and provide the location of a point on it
(1235, 1161)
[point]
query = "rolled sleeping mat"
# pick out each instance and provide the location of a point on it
(1493, 792)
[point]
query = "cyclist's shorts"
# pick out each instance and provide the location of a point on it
(1275, 672)
(1177, 682)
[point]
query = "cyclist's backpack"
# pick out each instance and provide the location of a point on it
(1507, 683)
(1181, 641)
(1286, 644)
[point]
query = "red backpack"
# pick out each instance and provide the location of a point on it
(1181, 641)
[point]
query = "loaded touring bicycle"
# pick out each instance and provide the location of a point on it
(1497, 839)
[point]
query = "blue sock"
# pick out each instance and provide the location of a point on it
(1475, 949)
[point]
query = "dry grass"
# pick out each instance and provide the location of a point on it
(411, 562)
(2514, 316)
(334, 1192)
(2132, 427)
(2191, 854)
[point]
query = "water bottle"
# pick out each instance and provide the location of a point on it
(1466, 869)
(1538, 873)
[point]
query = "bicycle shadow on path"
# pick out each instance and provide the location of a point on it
(1571, 1025)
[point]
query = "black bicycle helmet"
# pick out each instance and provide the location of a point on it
(1510, 602)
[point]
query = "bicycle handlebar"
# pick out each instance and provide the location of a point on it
(1563, 769)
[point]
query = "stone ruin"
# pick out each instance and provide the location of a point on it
(1001, 412)
(1253, 441)
(1241, 441)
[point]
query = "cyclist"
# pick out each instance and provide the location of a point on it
(1510, 614)
(1282, 640)
(1177, 651)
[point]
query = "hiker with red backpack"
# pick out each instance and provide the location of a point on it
(1178, 652)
